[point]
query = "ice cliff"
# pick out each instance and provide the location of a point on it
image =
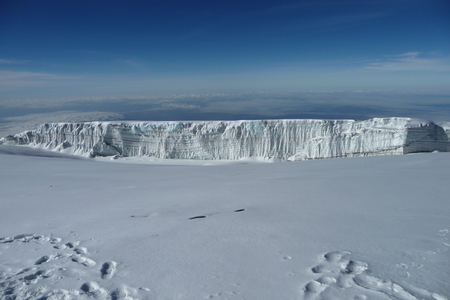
(278, 139)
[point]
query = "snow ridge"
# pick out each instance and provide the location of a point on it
(299, 139)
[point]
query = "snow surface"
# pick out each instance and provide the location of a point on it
(234, 140)
(350, 228)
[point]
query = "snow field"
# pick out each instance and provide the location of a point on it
(353, 228)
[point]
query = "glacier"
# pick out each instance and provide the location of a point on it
(289, 139)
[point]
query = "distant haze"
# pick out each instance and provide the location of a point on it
(20, 115)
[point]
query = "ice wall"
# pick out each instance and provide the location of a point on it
(280, 139)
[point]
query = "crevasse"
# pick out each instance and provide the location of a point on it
(280, 139)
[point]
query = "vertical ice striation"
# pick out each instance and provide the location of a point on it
(282, 139)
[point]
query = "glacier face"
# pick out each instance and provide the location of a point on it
(279, 139)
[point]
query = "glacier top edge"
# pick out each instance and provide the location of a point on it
(403, 120)
(387, 123)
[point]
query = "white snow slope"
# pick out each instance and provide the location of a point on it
(233, 140)
(350, 228)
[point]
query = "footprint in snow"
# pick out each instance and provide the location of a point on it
(286, 257)
(93, 289)
(85, 261)
(40, 280)
(342, 278)
(44, 259)
(108, 269)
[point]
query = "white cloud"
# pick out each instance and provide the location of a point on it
(411, 61)
(318, 104)
(409, 54)
(11, 61)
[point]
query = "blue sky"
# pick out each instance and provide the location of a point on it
(52, 50)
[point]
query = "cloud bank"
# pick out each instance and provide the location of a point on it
(19, 115)
(412, 61)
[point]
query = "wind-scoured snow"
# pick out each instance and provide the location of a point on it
(233, 140)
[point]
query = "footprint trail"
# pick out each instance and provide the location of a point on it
(341, 277)
(63, 264)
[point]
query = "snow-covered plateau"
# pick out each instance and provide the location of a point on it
(361, 228)
(233, 140)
